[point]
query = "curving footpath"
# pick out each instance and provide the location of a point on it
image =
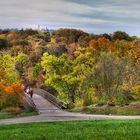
(49, 112)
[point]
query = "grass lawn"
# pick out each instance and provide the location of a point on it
(131, 109)
(73, 130)
(6, 115)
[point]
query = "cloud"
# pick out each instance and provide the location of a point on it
(90, 15)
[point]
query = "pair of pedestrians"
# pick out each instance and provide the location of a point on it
(29, 91)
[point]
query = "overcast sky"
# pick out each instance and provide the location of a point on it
(95, 16)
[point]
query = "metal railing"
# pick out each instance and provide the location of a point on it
(58, 103)
(29, 104)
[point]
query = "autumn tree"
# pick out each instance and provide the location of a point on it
(68, 76)
(56, 71)
(100, 45)
(7, 63)
(3, 44)
(110, 75)
(56, 49)
(70, 35)
(120, 35)
(21, 62)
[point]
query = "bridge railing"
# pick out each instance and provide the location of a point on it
(58, 103)
(29, 104)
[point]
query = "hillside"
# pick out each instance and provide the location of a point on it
(79, 68)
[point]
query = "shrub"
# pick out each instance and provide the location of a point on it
(136, 89)
(11, 96)
(78, 103)
(12, 109)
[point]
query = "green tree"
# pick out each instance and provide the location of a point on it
(110, 75)
(69, 35)
(56, 69)
(7, 64)
(120, 35)
(21, 62)
(68, 76)
(3, 44)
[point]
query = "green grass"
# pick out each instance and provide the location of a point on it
(73, 130)
(6, 115)
(131, 109)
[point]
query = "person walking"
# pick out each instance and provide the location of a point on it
(31, 92)
(28, 90)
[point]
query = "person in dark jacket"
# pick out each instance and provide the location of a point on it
(31, 92)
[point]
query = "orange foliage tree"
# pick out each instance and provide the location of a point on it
(11, 96)
(99, 45)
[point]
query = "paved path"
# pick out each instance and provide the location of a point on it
(48, 112)
(43, 106)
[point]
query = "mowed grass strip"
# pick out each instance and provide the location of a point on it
(73, 130)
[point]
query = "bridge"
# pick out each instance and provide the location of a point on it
(43, 102)
(46, 103)
(51, 109)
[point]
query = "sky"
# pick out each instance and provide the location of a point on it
(93, 16)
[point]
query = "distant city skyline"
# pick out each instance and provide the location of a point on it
(93, 16)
